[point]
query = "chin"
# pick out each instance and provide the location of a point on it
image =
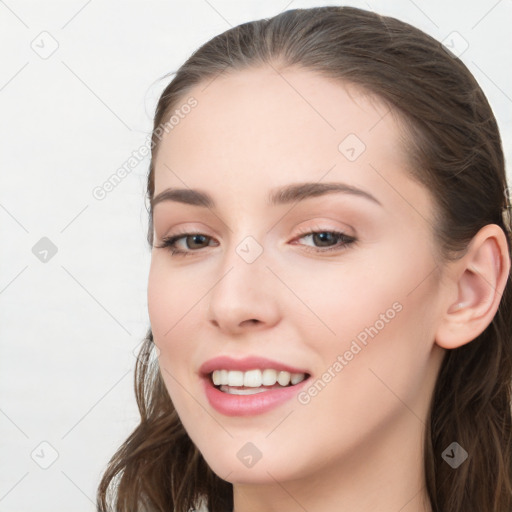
(256, 475)
(228, 466)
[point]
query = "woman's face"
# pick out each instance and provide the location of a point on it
(357, 312)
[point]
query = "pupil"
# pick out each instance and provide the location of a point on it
(324, 236)
(197, 236)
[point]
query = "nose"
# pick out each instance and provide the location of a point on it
(245, 297)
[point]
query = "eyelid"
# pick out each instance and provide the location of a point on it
(319, 227)
(301, 232)
(344, 241)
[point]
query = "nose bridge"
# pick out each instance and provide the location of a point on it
(245, 253)
(243, 292)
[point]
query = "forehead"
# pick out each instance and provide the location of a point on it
(262, 106)
(261, 128)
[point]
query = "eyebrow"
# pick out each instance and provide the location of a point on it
(282, 195)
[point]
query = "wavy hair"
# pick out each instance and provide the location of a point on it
(456, 152)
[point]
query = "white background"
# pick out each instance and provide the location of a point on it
(67, 123)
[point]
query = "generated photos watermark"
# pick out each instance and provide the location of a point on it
(101, 191)
(358, 343)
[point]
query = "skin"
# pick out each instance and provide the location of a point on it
(357, 444)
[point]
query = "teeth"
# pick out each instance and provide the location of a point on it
(239, 391)
(297, 377)
(252, 378)
(255, 378)
(235, 378)
(269, 377)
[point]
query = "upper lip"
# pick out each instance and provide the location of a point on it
(245, 364)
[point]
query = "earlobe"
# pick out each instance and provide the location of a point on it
(479, 278)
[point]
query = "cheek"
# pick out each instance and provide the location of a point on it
(171, 311)
(167, 308)
(173, 298)
(379, 314)
(161, 303)
(376, 367)
(338, 300)
(389, 334)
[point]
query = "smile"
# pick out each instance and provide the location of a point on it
(228, 393)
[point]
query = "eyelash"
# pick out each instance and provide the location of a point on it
(168, 242)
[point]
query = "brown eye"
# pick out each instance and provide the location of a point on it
(324, 237)
(192, 241)
(329, 240)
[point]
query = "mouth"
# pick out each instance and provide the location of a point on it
(251, 382)
(252, 385)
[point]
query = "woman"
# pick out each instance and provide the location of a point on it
(329, 291)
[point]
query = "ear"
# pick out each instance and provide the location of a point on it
(476, 281)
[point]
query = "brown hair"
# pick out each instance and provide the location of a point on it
(456, 151)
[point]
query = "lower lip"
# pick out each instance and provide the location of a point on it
(248, 405)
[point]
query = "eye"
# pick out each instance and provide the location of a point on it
(170, 243)
(323, 237)
(328, 240)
